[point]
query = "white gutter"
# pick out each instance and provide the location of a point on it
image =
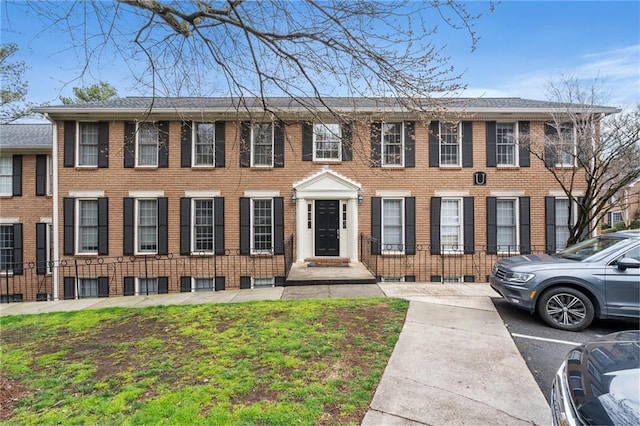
(56, 215)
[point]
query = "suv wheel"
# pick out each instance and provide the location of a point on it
(566, 309)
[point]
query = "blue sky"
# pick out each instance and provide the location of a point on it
(523, 45)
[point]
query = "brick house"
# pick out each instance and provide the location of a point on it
(188, 194)
(26, 211)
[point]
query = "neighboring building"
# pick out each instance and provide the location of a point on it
(189, 194)
(26, 211)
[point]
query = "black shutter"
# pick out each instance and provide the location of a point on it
(245, 144)
(185, 284)
(163, 144)
(278, 144)
(103, 286)
(128, 218)
(17, 176)
(41, 175)
(434, 144)
(410, 225)
(185, 226)
(524, 144)
(469, 225)
(279, 281)
(436, 203)
(103, 144)
(585, 231)
(525, 225)
(219, 283)
(17, 249)
(245, 282)
(550, 157)
(492, 226)
(278, 225)
(163, 285)
(68, 205)
(376, 144)
(467, 144)
(409, 144)
(550, 224)
(41, 248)
(69, 156)
(163, 225)
(347, 142)
(186, 136)
(469, 278)
(218, 217)
(492, 160)
(376, 224)
(69, 291)
(245, 225)
(129, 286)
(129, 144)
(103, 226)
(307, 141)
(220, 144)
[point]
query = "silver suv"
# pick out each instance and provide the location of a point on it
(599, 277)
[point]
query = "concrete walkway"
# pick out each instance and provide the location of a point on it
(454, 363)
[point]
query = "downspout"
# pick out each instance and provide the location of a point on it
(56, 216)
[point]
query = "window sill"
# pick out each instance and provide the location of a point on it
(148, 168)
(507, 167)
(327, 160)
(392, 166)
(92, 167)
(393, 254)
(453, 253)
(202, 254)
(203, 167)
(261, 254)
(452, 167)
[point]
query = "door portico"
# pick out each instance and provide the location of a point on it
(326, 216)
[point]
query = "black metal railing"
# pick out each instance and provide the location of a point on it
(435, 264)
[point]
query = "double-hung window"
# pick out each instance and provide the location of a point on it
(450, 150)
(6, 176)
(146, 286)
(506, 146)
(6, 248)
(203, 226)
(262, 145)
(563, 220)
(506, 225)
(327, 141)
(88, 150)
(147, 144)
(87, 287)
(262, 225)
(566, 146)
(147, 226)
(204, 139)
(87, 220)
(451, 235)
(392, 225)
(392, 144)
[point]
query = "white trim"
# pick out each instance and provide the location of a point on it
(252, 226)
(76, 226)
(507, 194)
(392, 193)
(48, 220)
(202, 194)
(136, 226)
(146, 194)
(402, 144)
(451, 193)
(313, 141)
(77, 145)
(402, 226)
(516, 213)
(516, 143)
(9, 220)
(193, 284)
(136, 150)
(86, 194)
(562, 194)
(458, 144)
(261, 194)
(460, 226)
(192, 231)
(252, 144)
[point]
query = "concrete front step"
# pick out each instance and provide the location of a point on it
(328, 273)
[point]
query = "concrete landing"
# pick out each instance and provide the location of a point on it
(353, 273)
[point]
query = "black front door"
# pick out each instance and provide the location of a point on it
(327, 228)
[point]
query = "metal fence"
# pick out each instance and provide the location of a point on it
(108, 276)
(450, 265)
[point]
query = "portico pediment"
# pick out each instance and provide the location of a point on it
(326, 183)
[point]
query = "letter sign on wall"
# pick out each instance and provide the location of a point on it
(479, 178)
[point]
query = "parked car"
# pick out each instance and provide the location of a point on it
(596, 278)
(599, 383)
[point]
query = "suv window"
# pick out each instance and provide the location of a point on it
(590, 247)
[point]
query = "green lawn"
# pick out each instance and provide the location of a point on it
(266, 363)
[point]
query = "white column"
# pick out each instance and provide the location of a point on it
(301, 230)
(352, 221)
